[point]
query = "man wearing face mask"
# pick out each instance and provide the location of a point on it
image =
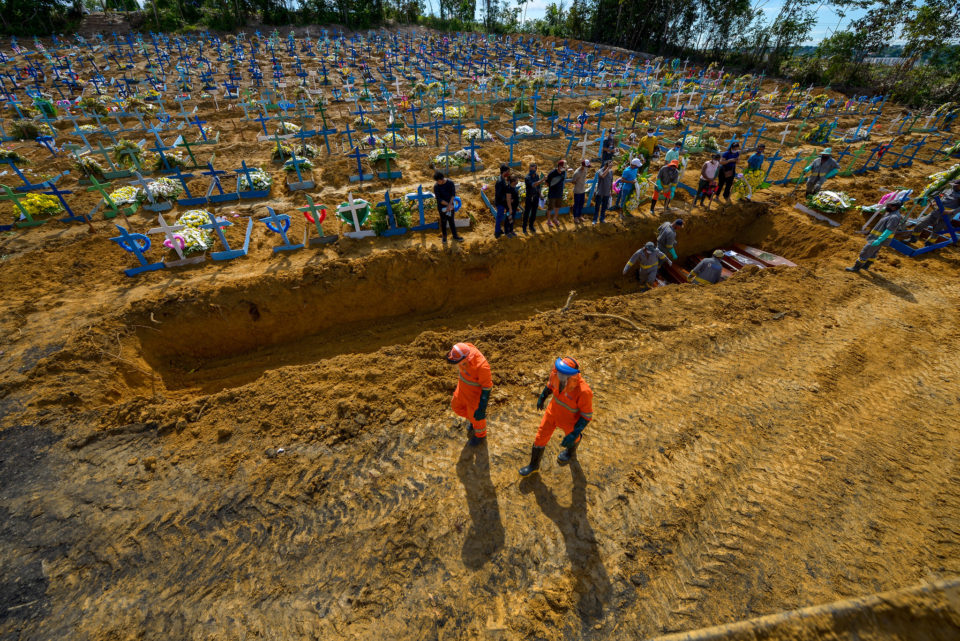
(820, 170)
(879, 236)
(570, 409)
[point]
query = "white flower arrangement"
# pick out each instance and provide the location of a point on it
(453, 160)
(474, 134)
(304, 163)
(448, 112)
(194, 238)
(124, 196)
(415, 141)
(161, 189)
(464, 154)
(381, 153)
(525, 130)
(88, 129)
(258, 180)
(284, 127)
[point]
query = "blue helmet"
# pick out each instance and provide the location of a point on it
(567, 365)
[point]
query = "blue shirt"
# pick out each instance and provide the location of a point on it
(730, 168)
(629, 174)
(755, 161)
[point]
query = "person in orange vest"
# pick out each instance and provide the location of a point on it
(473, 389)
(570, 409)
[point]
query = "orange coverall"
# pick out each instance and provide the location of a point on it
(474, 378)
(574, 402)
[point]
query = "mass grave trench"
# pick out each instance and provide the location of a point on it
(360, 305)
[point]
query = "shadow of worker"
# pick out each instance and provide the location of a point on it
(591, 584)
(485, 535)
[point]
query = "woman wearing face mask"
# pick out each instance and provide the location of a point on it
(728, 169)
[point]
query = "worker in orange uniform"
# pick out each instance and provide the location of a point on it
(570, 409)
(473, 389)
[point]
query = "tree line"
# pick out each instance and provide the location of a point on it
(738, 34)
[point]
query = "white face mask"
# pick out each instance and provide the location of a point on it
(563, 378)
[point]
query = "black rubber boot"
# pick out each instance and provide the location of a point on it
(475, 440)
(855, 268)
(564, 457)
(535, 455)
(867, 265)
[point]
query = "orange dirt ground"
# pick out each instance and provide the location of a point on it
(784, 439)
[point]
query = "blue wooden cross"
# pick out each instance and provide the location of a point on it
(137, 244)
(262, 119)
(221, 196)
(360, 176)
(217, 227)
(772, 161)
(280, 224)
(190, 200)
(471, 149)
(200, 123)
(392, 229)
(791, 163)
(420, 197)
(27, 185)
(436, 125)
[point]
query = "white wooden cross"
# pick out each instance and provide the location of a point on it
(175, 241)
(144, 184)
(783, 134)
(584, 145)
(352, 207)
(349, 89)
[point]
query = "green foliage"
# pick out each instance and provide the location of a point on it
(402, 212)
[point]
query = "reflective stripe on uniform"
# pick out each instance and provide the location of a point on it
(700, 281)
(564, 405)
(468, 382)
(648, 266)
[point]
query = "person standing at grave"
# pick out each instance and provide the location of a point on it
(667, 237)
(950, 200)
(602, 194)
(500, 200)
(646, 261)
(513, 204)
(628, 184)
(570, 409)
(473, 389)
(579, 191)
(445, 191)
(755, 161)
(707, 186)
(820, 171)
(674, 153)
(728, 169)
(609, 145)
(667, 180)
(646, 148)
(879, 236)
(555, 180)
(532, 183)
(708, 270)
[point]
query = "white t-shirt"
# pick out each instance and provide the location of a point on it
(710, 169)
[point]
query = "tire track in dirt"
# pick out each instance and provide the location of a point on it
(687, 519)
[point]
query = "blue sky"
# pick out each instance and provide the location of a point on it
(826, 23)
